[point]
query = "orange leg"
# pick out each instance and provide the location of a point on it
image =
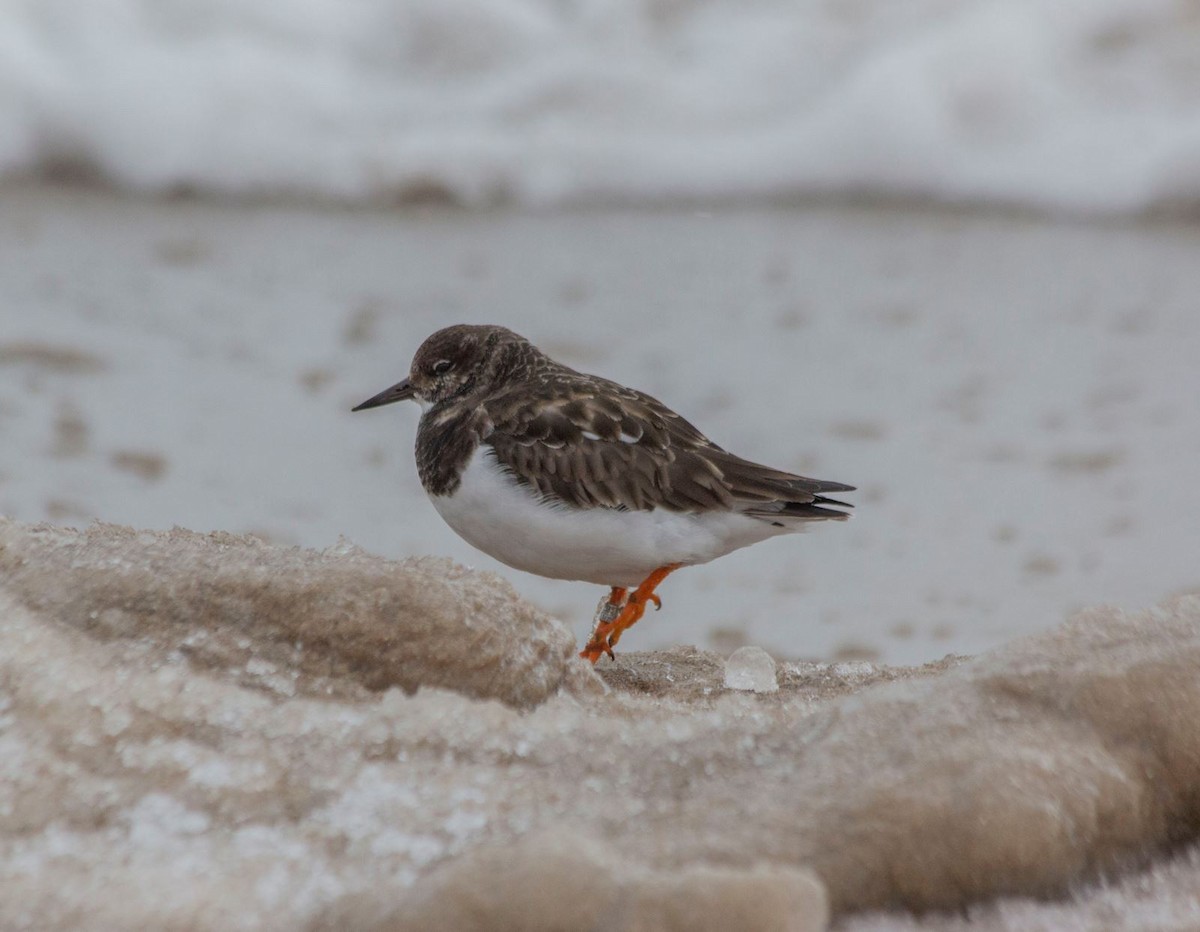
(615, 618)
(607, 612)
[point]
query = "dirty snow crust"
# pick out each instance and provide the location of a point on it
(189, 738)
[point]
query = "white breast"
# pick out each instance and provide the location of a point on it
(504, 519)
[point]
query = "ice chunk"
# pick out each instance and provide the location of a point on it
(752, 669)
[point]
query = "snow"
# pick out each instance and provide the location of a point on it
(327, 620)
(643, 792)
(1052, 104)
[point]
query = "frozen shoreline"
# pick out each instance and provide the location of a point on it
(198, 731)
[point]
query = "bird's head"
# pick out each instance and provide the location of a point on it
(451, 363)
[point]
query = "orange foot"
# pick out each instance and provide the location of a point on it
(618, 614)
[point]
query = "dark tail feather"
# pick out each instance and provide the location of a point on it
(802, 511)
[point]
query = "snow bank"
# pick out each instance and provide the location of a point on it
(210, 754)
(338, 623)
(1051, 103)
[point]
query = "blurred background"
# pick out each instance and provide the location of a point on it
(944, 250)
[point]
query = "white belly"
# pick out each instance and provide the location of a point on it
(612, 548)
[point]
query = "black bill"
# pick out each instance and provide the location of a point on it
(401, 391)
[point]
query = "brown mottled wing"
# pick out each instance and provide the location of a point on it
(591, 443)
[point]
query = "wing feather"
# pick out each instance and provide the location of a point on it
(588, 443)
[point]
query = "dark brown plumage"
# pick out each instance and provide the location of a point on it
(581, 440)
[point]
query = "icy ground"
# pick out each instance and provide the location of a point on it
(206, 732)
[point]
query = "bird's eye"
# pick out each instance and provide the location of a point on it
(442, 366)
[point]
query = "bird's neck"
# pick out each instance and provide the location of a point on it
(447, 437)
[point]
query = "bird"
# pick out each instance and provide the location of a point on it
(573, 476)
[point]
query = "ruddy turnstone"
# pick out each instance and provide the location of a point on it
(572, 476)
